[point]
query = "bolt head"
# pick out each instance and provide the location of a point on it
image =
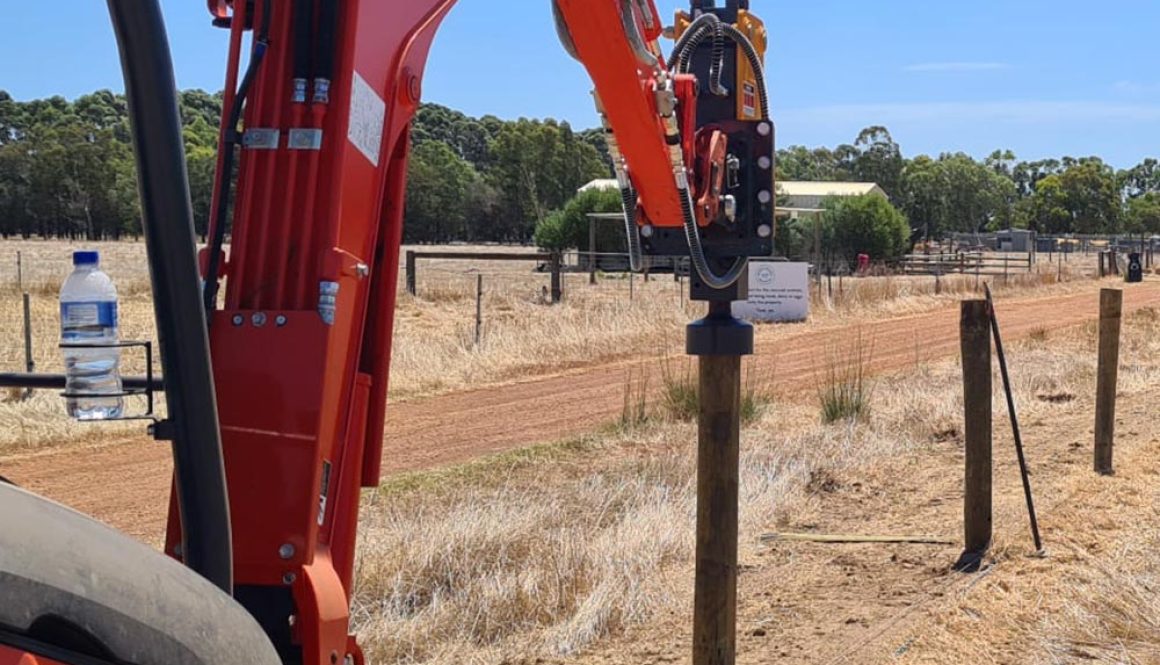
(289, 578)
(286, 551)
(258, 319)
(764, 231)
(280, 320)
(764, 196)
(764, 129)
(764, 163)
(238, 319)
(646, 231)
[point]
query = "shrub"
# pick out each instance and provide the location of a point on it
(867, 224)
(568, 228)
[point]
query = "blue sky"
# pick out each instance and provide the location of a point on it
(1042, 77)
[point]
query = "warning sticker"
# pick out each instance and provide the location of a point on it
(749, 100)
(367, 112)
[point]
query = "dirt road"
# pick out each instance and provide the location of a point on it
(125, 483)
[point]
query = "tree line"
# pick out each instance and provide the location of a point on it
(66, 170)
(954, 192)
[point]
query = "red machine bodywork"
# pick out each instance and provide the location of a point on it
(10, 656)
(302, 402)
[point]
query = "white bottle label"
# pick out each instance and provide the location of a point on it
(88, 317)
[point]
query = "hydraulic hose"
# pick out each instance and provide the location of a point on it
(628, 21)
(230, 141)
(628, 201)
(754, 62)
(327, 29)
(303, 35)
(697, 251)
(717, 62)
(693, 35)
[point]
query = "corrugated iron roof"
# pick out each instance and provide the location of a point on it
(804, 188)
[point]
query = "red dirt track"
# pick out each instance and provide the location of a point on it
(125, 483)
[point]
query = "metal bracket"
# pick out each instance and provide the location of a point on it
(260, 138)
(304, 139)
(162, 430)
(147, 391)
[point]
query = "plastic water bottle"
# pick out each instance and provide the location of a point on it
(88, 315)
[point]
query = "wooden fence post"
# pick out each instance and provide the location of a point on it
(1111, 308)
(975, 335)
(715, 577)
(478, 308)
(591, 249)
(411, 271)
(557, 290)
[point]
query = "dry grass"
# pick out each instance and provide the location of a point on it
(542, 556)
(1112, 612)
(434, 348)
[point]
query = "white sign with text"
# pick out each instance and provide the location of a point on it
(778, 291)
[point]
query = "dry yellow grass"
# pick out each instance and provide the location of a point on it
(542, 554)
(434, 349)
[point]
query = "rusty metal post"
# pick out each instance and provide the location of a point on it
(1107, 373)
(975, 335)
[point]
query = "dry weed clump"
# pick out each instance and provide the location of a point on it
(844, 387)
(680, 392)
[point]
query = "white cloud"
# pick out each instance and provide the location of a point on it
(1019, 112)
(956, 67)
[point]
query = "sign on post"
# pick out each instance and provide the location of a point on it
(778, 291)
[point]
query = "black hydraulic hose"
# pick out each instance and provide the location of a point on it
(167, 218)
(303, 51)
(229, 142)
(697, 251)
(628, 199)
(754, 62)
(324, 60)
(700, 28)
(717, 62)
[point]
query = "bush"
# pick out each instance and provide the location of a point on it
(867, 224)
(568, 228)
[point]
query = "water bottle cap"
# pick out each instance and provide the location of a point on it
(86, 257)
